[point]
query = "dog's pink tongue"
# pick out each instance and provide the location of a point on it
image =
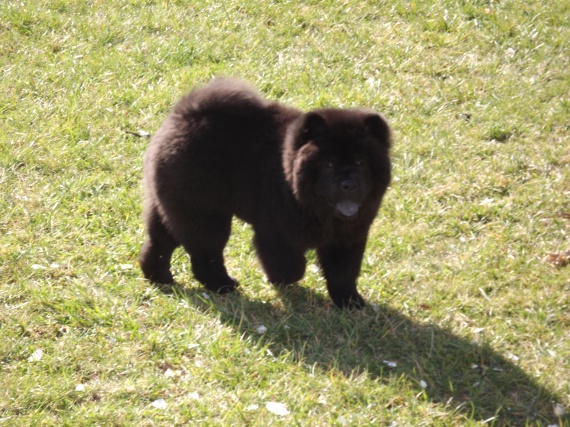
(347, 207)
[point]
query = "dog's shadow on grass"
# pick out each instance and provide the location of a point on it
(380, 342)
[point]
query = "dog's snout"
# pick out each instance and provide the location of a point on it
(348, 185)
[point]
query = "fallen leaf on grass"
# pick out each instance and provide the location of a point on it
(277, 408)
(140, 133)
(559, 259)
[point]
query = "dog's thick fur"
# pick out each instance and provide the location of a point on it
(302, 180)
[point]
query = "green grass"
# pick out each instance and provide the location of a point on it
(460, 296)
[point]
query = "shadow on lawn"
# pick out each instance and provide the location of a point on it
(464, 376)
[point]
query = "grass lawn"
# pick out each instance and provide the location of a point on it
(468, 322)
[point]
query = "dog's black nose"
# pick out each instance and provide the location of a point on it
(347, 185)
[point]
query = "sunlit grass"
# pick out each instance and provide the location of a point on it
(468, 321)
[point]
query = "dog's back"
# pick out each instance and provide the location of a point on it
(222, 96)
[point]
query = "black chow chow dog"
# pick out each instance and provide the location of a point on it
(302, 180)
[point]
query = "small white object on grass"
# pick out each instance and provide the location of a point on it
(80, 387)
(559, 410)
(513, 357)
(423, 384)
(261, 329)
(159, 404)
(277, 408)
(36, 355)
(390, 364)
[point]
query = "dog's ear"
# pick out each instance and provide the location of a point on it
(309, 127)
(314, 126)
(377, 126)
